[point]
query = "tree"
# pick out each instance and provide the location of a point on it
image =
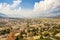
(11, 36)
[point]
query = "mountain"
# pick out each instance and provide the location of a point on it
(2, 15)
(58, 16)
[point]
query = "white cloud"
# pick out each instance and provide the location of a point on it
(11, 9)
(46, 6)
(43, 8)
(1, 6)
(16, 3)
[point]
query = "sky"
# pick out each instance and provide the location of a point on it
(30, 8)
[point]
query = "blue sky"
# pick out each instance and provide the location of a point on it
(6, 1)
(25, 4)
(28, 3)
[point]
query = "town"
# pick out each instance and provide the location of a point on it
(30, 29)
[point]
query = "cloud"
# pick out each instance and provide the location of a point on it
(46, 7)
(16, 3)
(11, 9)
(43, 8)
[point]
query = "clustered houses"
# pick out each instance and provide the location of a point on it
(30, 29)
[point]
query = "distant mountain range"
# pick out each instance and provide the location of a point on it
(6, 16)
(3, 15)
(58, 16)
